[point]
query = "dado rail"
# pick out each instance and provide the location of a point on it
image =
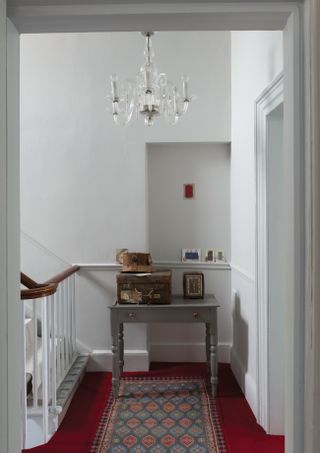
(52, 366)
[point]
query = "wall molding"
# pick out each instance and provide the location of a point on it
(312, 216)
(244, 379)
(134, 360)
(269, 99)
(219, 265)
(161, 264)
(243, 273)
(139, 359)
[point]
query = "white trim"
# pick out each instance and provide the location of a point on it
(186, 352)
(138, 360)
(134, 360)
(11, 310)
(294, 221)
(243, 273)
(270, 98)
(4, 221)
(246, 382)
(218, 265)
(312, 179)
(159, 16)
(160, 264)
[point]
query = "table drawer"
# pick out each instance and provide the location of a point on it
(163, 315)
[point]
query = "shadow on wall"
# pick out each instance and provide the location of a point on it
(240, 340)
(108, 288)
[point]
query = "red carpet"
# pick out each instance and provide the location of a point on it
(242, 433)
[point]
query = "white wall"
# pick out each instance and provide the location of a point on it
(176, 222)
(83, 179)
(256, 59)
(74, 159)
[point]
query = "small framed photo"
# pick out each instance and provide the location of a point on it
(193, 285)
(210, 256)
(220, 255)
(191, 255)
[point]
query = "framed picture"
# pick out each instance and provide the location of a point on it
(191, 255)
(220, 255)
(188, 190)
(193, 285)
(210, 257)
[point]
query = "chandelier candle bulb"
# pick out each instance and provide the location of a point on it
(185, 80)
(114, 86)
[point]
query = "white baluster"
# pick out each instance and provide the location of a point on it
(24, 387)
(58, 309)
(53, 365)
(70, 320)
(45, 333)
(62, 321)
(48, 322)
(73, 316)
(64, 328)
(66, 332)
(35, 353)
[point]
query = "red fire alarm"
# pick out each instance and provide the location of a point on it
(188, 190)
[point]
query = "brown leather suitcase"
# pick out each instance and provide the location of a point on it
(144, 288)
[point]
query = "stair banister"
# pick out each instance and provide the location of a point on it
(53, 349)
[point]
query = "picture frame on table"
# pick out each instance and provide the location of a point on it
(193, 285)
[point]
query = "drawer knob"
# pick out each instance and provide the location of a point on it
(131, 315)
(195, 314)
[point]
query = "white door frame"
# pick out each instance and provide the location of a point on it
(269, 99)
(198, 16)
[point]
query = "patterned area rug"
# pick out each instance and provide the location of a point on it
(160, 415)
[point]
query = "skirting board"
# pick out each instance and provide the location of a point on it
(138, 360)
(184, 352)
(134, 360)
(245, 381)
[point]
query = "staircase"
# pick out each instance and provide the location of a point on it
(53, 368)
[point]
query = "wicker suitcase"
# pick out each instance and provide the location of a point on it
(150, 288)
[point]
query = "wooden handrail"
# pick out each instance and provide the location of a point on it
(63, 275)
(37, 290)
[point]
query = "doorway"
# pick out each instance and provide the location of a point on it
(253, 19)
(271, 250)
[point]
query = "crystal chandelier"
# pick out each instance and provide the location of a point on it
(150, 96)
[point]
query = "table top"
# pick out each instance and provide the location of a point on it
(209, 301)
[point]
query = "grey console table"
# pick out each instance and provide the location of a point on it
(180, 310)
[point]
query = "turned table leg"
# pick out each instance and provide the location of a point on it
(208, 344)
(121, 347)
(213, 354)
(115, 352)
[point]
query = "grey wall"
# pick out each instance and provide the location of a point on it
(176, 222)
